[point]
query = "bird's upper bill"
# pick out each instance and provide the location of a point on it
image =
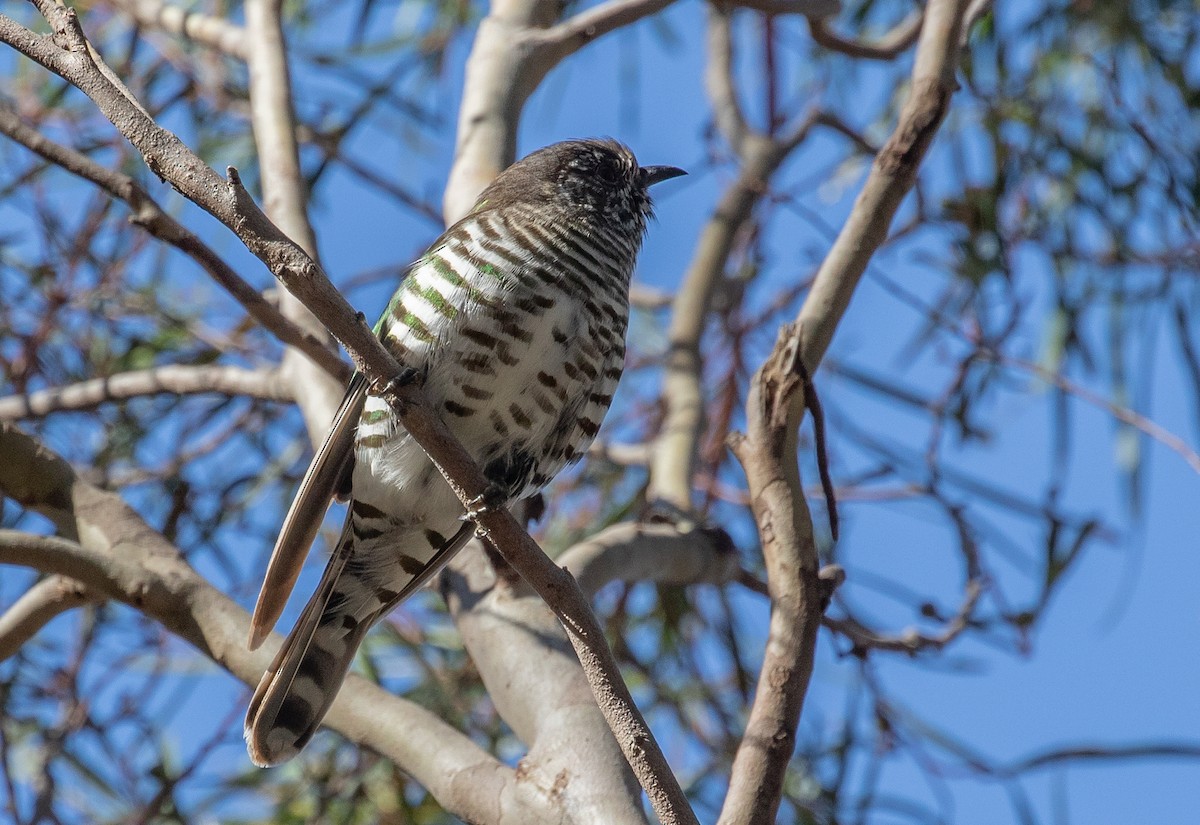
(657, 174)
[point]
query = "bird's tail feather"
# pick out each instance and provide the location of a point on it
(296, 691)
(300, 685)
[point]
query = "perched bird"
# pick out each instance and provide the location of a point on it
(514, 321)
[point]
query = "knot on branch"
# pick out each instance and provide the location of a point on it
(924, 111)
(783, 382)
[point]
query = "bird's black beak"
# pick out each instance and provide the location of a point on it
(657, 174)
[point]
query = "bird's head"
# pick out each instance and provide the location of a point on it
(599, 177)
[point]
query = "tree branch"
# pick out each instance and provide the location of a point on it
(540, 690)
(213, 32)
(887, 47)
(652, 552)
(538, 687)
(571, 35)
(808, 8)
(285, 198)
(65, 53)
(48, 598)
(150, 216)
(768, 451)
(121, 557)
(719, 82)
(174, 379)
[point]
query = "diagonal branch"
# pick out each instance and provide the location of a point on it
(150, 216)
(174, 379)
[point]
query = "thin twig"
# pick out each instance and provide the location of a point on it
(887, 47)
(148, 215)
(813, 404)
(1122, 413)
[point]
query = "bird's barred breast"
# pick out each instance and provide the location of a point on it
(520, 330)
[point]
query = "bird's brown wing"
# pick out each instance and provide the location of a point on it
(327, 476)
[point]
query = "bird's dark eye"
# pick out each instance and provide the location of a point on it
(607, 171)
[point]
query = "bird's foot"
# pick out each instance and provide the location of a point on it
(390, 388)
(494, 497)
(406, 376)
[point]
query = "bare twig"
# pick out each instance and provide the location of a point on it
(913, 641)
(48, 598)
(173, 379)
(813, 404)
(1099, 753)
(886, 47)
(1122, 413)
(150, 216)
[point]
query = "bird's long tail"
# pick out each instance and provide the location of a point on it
(296, 691)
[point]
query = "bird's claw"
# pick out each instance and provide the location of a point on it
(402, 379)
(491, 499)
